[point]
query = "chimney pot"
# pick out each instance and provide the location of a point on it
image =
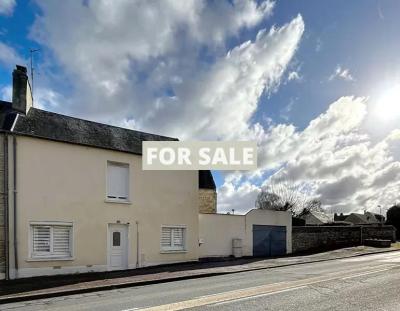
(21, 68)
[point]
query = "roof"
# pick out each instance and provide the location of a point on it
(206, 180)
(54, 126)
(319, 217)
(356, 218)
(322, 216)
(7, 115)
(340, 217)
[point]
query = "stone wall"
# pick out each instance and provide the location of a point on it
(379, 232)
(332, 237)
(2, 209)
(207, 201)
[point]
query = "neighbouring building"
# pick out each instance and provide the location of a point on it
(367, 218)
(207, 193)
(317, 218)
(74, 198)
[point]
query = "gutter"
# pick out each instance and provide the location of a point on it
(15, 205)
(137, 244)
(6, 213)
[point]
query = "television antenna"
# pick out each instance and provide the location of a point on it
(31, 51)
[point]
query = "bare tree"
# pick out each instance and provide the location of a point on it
(283, 195)
(313, 205)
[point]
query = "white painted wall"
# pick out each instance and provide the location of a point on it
(216, 231)
(67, 183)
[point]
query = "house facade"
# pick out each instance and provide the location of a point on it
(78, 200)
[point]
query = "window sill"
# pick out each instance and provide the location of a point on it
(50, 259)
(117, 201)
(173, 251)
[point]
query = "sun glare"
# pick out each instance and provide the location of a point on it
(388, 107)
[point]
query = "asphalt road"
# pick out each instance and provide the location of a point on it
(362, 283)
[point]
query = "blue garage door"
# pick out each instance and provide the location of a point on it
(269, 241)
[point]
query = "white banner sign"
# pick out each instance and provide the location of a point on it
(199, 155)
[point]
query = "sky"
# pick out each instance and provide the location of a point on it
(315, 83)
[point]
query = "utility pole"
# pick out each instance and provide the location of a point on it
(31, 51)
(380, 213)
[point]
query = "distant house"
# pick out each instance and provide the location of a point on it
(367, 218)
(339, 217)
(317, 218)
(378, 217)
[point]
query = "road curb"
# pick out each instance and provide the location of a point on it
(19, 298)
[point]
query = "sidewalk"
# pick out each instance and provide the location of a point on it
(52, 286)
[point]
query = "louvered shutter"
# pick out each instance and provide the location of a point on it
(41, 240)
(177, 234)
(117, 181)
(62, 241)
(166, 239)
(173, 238)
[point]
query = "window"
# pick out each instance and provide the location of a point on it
(173, 238)
(116, 238)
(117, 181)
(51, 241)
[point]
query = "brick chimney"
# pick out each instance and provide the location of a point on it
(21, 94)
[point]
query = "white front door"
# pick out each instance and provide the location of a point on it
(117, 247)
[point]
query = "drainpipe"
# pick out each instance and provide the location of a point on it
(137, 244)
(6, 220)
(15, 204)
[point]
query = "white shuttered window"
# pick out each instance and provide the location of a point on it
(117, 181)
(173, 238)
(51, 241)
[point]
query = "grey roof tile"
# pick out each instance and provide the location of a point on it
(53, 126)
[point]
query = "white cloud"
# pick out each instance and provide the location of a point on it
(333, 157)
(341, 73)
(9, 57)
(47, 99)
(7, 7)
(107, 38)
(128, 69)
(294, 76)
(285, 112)
(318, 45)
(226, 96)
(6, 93)
(241, 197)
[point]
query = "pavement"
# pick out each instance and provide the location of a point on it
(368, 282)
(54, 286)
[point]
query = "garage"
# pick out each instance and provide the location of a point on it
(269, 241)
